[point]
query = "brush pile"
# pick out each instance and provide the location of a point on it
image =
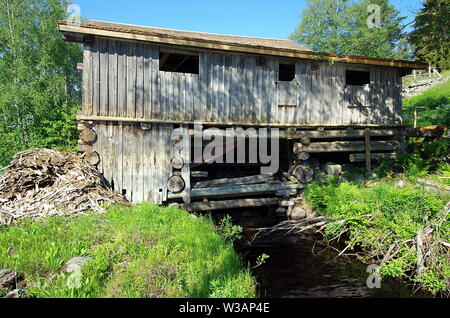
(43, 182)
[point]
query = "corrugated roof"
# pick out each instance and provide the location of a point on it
(278, 47)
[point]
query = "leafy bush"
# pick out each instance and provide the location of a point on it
(142, 251)
(378, 217)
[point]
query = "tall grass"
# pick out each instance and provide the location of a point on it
(142, 251)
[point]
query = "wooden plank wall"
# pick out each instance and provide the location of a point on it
(122, 79)
(135, 159)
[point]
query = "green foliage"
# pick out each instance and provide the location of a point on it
(39, 82)
(229, 231)
(341, 27)
(431, 33)
(380, 216)
(142, 251)
(423, 156)
(437, 103)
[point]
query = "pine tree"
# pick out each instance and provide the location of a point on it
(39, 82)
(431, 33)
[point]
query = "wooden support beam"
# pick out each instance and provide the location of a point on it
(361, 157)
(235, 181)
(367, 141)
(312, 134)
(229, 204)
(243, 190)
(347, 146)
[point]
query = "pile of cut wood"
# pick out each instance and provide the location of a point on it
(43, 182)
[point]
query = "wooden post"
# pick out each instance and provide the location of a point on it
(415, 116)
(367, 136)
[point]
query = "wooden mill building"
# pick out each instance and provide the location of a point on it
(141, 83)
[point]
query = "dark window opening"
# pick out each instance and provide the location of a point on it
(180, 63)
(358, 78)
(286, 72)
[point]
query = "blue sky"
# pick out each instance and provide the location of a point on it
(259, 18)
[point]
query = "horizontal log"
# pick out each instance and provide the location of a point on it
(199, 174)
(243, 190)
(88, 135)
(283, 193)
(176, 184)
(229, 204)
(361, 157)
(235, 181)
(299, 134)
(81, 116)
(348, 146)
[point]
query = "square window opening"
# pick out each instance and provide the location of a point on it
(179, 63)
(286, 72)
(357, 78)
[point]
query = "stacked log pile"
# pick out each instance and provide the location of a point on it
(43, 182)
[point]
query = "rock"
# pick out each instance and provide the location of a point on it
(333, 169)
(13, 294)
(309, 212)
(281, 212)
(7, 279)
(371, 175)
(400, 184)
(76, 263)
(417, 87)
(358, 178)
(296, 212)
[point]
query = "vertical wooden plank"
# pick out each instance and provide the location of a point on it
(96, 78)
(131, 80)
(233, 89)
(112, 79)
(273, 78)
(118, 184)
(87, 80)
(128, 160)
(140, 84)
(156, 86)
(104, 73)
(138, 180)
(122, 79)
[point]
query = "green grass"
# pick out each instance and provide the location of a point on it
(142, 251)
(437, 103)
(395, 217)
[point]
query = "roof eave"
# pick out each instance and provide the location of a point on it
(82, 34)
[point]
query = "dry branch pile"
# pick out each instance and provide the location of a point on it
(44, 182)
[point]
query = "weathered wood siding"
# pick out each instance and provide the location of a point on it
(122, 79)
(135, 159)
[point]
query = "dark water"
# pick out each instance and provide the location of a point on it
(301, 269)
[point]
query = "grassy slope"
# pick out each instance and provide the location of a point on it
(437, 101)
(396, 216)
(143, 251)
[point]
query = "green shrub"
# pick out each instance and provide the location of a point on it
(382, 215)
